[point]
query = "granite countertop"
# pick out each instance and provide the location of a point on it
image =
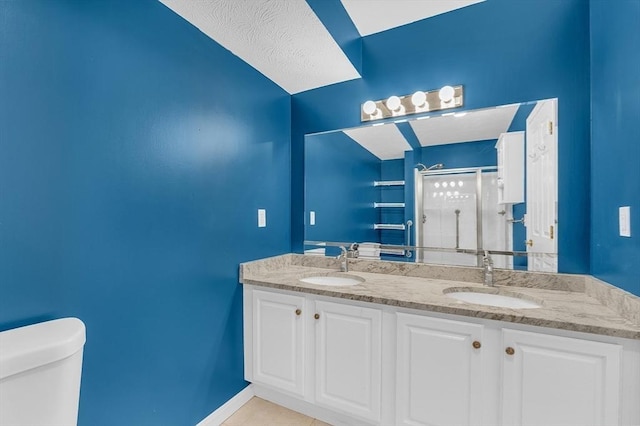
(422, 287)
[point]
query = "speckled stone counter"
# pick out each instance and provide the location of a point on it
(570, 302)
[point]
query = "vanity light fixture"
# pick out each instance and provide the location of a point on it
(446, 94)
(370, 108)
(394, 104)
(419, 99)
(418, 102)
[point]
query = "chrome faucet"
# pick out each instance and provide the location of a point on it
(346, 254)
(487, 264)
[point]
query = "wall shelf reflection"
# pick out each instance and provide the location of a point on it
(381, 205)
(389, 226)
(388, 183)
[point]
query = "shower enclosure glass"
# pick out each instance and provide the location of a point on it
(449, 206)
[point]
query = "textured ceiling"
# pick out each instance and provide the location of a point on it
(373, 16)
(473, 126)
(385, 142)
(283, 39)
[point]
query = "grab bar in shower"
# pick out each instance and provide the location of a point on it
(457, 212)
(408, 253)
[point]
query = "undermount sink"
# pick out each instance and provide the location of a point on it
(491, 297)
(333, 280)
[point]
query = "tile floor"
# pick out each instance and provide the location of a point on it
(258, 412)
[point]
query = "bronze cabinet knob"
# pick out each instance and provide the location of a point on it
(298, 311)
(476, 344)
(510, 351)
(317, 316)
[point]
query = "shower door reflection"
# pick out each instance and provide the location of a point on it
(451, 213)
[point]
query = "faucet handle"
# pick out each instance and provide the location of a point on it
(353, 250)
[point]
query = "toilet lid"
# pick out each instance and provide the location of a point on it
(34, 345)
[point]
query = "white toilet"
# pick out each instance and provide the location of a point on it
(40, 369)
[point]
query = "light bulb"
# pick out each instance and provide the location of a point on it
(446, 94)
(393, 103)
(419, 98)
(369, 108)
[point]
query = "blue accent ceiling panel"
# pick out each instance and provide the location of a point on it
(134, 154)
(503, 52)
(615, 144)
(337, 21)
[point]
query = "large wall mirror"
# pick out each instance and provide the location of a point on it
(440, 188)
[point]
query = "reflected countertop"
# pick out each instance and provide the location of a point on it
(569, 302)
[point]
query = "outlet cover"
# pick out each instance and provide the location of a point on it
(625, 221)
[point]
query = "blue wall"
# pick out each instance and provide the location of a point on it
(615, 144)
(339, 188)
(134, 153)
(501, 56)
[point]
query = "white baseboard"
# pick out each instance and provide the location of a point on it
(228, 408)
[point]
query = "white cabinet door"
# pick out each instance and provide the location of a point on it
(552, 380)
(438, 380)
(348, 358)
(278, 341)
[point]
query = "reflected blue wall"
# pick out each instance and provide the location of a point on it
(615, 102)
(134, 154)
(458, 155)
(501, 57)
(339, 189)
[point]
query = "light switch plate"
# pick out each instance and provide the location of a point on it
(262, 218)
(312, 218)
(625, 221)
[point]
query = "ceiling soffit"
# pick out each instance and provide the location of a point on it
(464, 127)
(283, 39)
(374, 16)
(385, 142)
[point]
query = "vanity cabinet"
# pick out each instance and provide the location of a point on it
(278, 341)
(348, 358)
(439, 371)
(445, 369)
(349, 362)
(559, 380)
(323, 352)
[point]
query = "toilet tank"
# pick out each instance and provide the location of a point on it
(40, 369)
